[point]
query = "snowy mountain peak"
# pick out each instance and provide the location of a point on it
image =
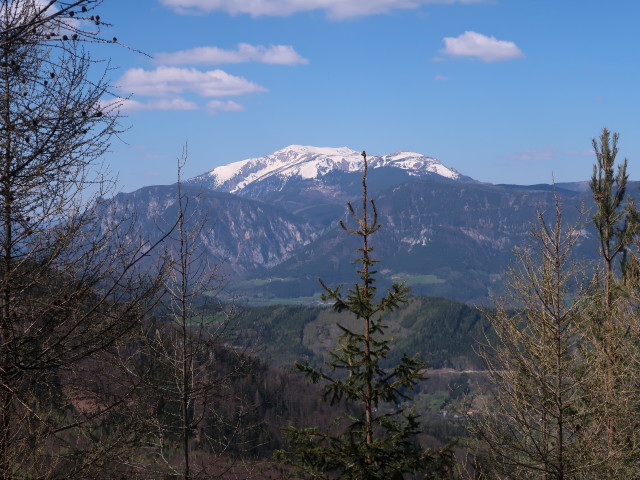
(308, 162)
(310, 150)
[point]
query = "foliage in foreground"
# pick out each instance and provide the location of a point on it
(379, 440)
(565, 356)
(70, 295)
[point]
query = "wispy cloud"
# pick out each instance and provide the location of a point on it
(144, 151)
(476, 45)
(129, 105)
(152, 174)
(535, 155)
(172, 81)
(274, 54)
(336, 9)
(440, 78)
(215, 106)
(587, 152)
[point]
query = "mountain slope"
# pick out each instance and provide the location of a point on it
(445, 238)
(445, 233)
(240, 233)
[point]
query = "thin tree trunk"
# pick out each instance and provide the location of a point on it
(186, 390)
(367, 319)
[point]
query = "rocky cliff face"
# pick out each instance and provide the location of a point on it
(241, 234)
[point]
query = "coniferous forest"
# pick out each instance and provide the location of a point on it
(121, 357)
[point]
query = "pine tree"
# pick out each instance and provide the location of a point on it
(378, 441)
(612, 329)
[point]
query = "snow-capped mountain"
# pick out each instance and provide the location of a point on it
(273, 221)
(297, 162)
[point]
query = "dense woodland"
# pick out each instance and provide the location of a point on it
(113, 365)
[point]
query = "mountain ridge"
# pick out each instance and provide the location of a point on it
(300, 162)
(447, 235)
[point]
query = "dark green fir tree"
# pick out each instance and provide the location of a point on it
(378, 439)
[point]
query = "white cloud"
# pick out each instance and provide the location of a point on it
(172, 81)
(535, 155)
(489, 49)
(215, 106)
(176, 103)
(274, 54)
(337, 9)
(441, 78)
(130, 105)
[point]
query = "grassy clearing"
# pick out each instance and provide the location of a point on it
(259, 282)
(247, 297)
(258, 301)
(423, 279)
(432, 402)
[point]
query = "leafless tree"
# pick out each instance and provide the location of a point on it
(535, 426)
(52, 22)
(197, 420)
(565, 359)
(69, 290)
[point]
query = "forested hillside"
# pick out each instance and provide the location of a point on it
(443, 332)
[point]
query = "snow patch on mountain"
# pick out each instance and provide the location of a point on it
(308, 162)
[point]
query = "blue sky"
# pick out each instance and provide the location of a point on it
(505, 91)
